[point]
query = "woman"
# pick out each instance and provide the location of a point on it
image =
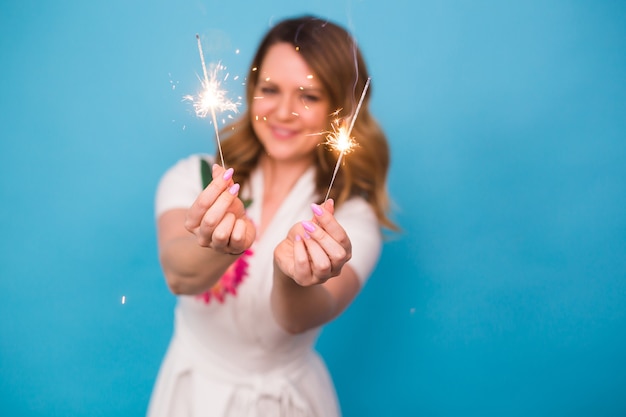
(259, 261)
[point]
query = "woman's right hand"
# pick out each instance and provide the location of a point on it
(218, 218)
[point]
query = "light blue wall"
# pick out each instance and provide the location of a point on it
(504, 296)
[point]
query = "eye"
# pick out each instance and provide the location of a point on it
(311, 98)
(268, 90)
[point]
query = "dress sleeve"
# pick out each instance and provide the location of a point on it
(360, 223)
(179, 186)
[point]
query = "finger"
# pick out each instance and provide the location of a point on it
(218, 171)
(237, 207)
(323, 216)
(320, 263)
(302, 264)
(335, 250)
(237, 243)
(222, 179)
(214, 214)
(329, 205)
(221, 235)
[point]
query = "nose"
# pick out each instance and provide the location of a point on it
(286, 107)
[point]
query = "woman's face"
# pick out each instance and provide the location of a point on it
(290, 110)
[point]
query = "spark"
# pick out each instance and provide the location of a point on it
(212, 98)
(340, 140)
(123, 299)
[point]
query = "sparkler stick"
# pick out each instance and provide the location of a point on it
(340, 138)
(212, 98)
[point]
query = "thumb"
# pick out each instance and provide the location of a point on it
(329, 205)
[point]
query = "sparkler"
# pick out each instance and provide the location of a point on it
(212, 98)
(340, 139)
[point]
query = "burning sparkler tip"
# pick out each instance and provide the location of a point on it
(340, 138)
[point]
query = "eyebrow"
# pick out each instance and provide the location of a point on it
(312, 89)
(308, 89)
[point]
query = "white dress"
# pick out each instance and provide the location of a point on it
(232, 358)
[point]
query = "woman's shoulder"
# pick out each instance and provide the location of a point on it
(187, 168)
(191, 162)
(181, 183)
(356, 206)
(359, 220)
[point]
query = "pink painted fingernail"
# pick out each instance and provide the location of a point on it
(233, 189)
(228, 174)
(298, 238)
(308, 226)
(307, 236)
(316, 209)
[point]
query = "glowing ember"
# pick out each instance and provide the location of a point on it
(340, 140)
(212, 98)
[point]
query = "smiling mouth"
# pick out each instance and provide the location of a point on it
(282, 133)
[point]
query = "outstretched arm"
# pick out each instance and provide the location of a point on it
(198, 244)
(312, 283)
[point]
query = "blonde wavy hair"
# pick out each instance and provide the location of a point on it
(332, 54)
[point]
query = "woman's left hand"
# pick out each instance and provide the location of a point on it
(316, 250)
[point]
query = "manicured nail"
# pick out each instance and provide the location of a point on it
(228, 174)
(307, 236)
(233, 189)
(308, 226)
(316, 209)
(332, 202)
(298, 238)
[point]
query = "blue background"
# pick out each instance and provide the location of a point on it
(504, 295)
